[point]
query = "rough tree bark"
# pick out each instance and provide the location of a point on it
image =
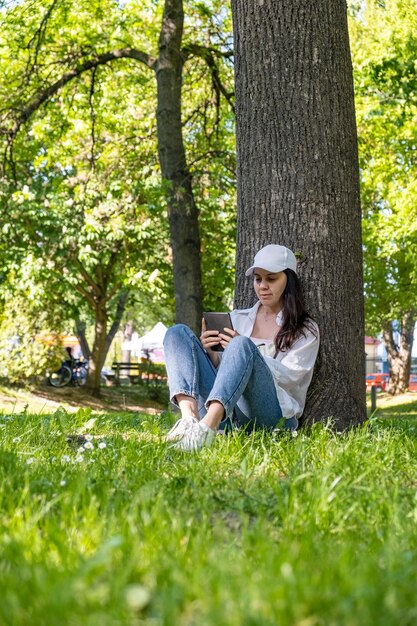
(399, 356)
(298, 180)
(182, 210)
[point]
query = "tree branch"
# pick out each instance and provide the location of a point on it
(208, 55)
(93, 118)
(195, 49)
(215, 154)
(86, 295)
(121, 305)
(37, 38)
(389, 342)
(113, 291)
(95, 287)
(80, 332)
(100, 59)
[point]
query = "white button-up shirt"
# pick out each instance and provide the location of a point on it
(291, 369)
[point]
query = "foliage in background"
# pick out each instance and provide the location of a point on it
(384, 47)
(81, 194)
(209, 127)
(30, 344)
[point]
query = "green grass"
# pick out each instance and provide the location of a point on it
(259, 530)
(45, 399)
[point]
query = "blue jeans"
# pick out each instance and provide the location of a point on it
(242, 373)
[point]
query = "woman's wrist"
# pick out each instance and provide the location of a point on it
(214, 358)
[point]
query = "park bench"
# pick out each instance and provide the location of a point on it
(144, 372)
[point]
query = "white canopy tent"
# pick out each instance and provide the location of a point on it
(150, 345)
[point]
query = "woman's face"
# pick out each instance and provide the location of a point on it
(269, 287)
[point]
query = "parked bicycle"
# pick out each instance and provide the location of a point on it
(71, 372)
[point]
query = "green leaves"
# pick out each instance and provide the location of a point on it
(384, 47)
(86, 214)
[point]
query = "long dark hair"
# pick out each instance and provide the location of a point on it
(295, 319)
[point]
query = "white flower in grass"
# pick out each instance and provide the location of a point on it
(79, 458)
(137, 597)
(88, 437)
(102, 445)
(30, 460)
(80, 450)
(63, 483)
(65, 458)
(294, 433)
(88, 446)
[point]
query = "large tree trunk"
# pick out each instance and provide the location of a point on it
(182, 210)
(298, 180)
(399, 356)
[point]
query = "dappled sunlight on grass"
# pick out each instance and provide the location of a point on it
(399, 407)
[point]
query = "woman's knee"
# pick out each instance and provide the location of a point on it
(241, 343)
(179, 331)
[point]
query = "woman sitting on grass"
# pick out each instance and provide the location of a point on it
(265, 369)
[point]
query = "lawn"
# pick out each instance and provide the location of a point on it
(44, 398)
(263, 530)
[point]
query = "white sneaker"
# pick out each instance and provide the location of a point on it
(179, 428)
(189, 435)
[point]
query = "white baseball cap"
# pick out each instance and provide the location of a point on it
(273, 258)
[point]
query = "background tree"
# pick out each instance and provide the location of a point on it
(81, 213)
(384, 48)
(298, 177)
(64, 46)
(81, 186)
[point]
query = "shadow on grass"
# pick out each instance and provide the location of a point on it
(132, 398)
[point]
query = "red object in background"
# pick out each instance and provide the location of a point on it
(379, 381)
(412, 385)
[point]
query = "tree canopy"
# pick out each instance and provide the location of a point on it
(81, 189)
(384, 52)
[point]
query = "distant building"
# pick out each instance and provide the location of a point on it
(375, 361)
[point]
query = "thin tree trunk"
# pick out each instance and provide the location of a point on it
(80, 332)
(399, 356)
(298, 179)
(127, 336)
(120, 308)
(182, 210)
(98, 352)
(103, 339)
